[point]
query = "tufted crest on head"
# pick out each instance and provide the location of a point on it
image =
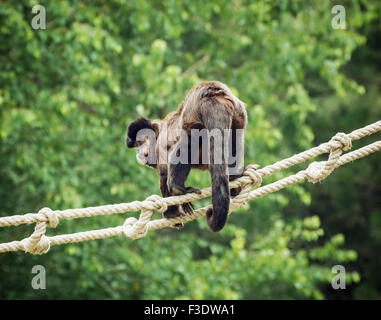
(134, 128)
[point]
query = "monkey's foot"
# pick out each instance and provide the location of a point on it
(180, 190)
(192, 190)
(235, 191)
(172, 212)
(188, 207)
(249, 166)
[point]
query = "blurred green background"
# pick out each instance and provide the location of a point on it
(67, 94)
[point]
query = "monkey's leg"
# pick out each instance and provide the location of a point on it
(178, 172)
(236, 155)
(163, 177)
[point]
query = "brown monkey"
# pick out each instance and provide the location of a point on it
(208, 105)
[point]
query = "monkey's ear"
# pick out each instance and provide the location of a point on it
(156, 125)
(134, 128)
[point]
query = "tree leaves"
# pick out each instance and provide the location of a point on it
(67, 94)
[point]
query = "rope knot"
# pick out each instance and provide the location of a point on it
(51, 216)
(344, 140)
(157, 203)
(133, 230)
(315, 171)
(252, 173)
(42, 246)
(318, 171)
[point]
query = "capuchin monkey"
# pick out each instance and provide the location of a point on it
(174, 145)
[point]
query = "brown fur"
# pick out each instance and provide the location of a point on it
(208, 105)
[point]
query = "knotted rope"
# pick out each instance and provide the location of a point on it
(39, 243)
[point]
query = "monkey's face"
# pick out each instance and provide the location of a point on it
(142, 134)
(145, 151)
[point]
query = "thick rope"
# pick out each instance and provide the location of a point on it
(134, 228)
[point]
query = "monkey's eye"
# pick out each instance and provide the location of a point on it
(139, 143)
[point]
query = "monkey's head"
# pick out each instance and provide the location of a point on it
(142, 134)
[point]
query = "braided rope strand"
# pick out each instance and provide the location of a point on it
(39, 243)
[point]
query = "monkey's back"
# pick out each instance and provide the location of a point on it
(209, 95)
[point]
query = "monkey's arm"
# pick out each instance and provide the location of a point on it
(162, 171)
(163, 177)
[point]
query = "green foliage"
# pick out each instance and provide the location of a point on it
(67, 94)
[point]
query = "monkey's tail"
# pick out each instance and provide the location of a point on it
(218, 117)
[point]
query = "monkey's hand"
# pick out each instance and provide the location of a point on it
(236, 191)
(180, 190)
(187, 207)
(173, 212)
